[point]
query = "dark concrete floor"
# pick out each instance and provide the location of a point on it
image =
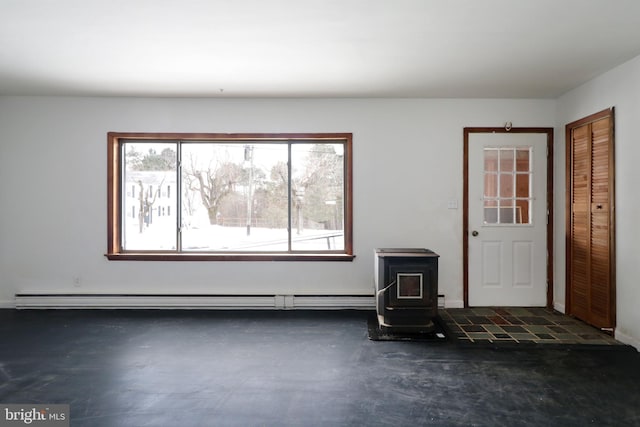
(295, 368)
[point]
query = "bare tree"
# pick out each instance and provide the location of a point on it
(189, 198)
(321, 186)
(212, 183)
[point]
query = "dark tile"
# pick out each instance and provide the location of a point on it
(482, 311)
(524, 336)
(581, 329)
(537, 329)
(514, 329)
(498, 320)
(502, 336)
(479, 320)
(494, 329)
(555, 317)
(589, 337)
(502, 312)
(540, 311)
(546, 336)
(477, 336)
(461, 320)
(519, 311)
(565, 321)
(566, 337)
(513, 320)
(535, 320)
(473, 328)
(553, 326)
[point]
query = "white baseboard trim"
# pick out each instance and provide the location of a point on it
(627, 339)
(203, 302)
(7, 304)
(453, 303)
(559, 307)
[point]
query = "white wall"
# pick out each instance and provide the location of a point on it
(619, 88)
(407, 166)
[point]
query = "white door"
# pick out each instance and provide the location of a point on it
(507, 219)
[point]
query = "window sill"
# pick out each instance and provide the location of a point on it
(140, 256)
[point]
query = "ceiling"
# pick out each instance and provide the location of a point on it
(312, 48)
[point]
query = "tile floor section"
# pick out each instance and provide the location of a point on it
(536, 325)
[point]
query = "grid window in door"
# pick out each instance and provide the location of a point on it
(508, 197)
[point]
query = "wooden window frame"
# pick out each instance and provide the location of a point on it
(114, 198)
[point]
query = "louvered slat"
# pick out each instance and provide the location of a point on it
(580, 223)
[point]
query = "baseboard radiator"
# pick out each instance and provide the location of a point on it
(202, 302)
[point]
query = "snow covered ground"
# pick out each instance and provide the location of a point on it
(230, 239)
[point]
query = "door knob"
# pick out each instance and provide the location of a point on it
(474, 233)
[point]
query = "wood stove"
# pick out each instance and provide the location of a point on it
(406, 284)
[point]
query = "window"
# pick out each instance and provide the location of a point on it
(507, 185)
(229, 196)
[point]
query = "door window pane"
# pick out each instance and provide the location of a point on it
(522, 185)
(523, 211)
(508, 214)
(507, 188)
(490, 185)
(490, 211)
(507, 160)
(491, 160)
(523, 162)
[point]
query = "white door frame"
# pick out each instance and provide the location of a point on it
(465, 204)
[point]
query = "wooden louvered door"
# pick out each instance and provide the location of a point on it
(590, 225)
